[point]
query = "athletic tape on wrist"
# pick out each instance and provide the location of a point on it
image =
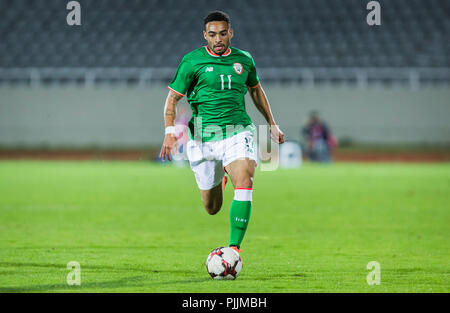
(170, 130)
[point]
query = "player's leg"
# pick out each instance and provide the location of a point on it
(208, 172)
(241, 173)
(212, 199)
(209, 175)
(240, 163)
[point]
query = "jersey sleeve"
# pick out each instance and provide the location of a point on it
(252, 79)
(183, 78)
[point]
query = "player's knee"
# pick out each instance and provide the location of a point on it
(246, 182)
(212, 209)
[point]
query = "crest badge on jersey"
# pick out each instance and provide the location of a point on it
(237, 68)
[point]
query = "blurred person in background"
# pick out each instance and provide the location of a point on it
(319, 141)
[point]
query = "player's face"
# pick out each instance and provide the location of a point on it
(218, 35)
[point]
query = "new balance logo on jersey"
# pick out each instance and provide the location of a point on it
(209, 69)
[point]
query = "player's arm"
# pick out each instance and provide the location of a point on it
(170, 139)
(262, 104)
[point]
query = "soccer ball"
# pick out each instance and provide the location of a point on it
(224, 263)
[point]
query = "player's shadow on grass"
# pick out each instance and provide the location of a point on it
(114, 268)
(143, 281)
(126, 282)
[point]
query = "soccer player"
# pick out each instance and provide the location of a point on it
(215, 79)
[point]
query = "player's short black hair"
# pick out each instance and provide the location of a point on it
(217, 16)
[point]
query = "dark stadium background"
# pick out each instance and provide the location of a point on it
(101, 86)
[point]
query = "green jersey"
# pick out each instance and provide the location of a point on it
(215, 86)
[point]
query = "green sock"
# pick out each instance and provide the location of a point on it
(240, 211)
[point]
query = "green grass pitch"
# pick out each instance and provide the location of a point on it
(140, 227)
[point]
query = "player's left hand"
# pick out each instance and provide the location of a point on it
(276, 134)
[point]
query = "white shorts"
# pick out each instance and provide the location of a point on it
(208, 159)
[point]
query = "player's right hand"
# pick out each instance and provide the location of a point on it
(170, 142)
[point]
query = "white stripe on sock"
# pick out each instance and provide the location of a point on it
(243, 194)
